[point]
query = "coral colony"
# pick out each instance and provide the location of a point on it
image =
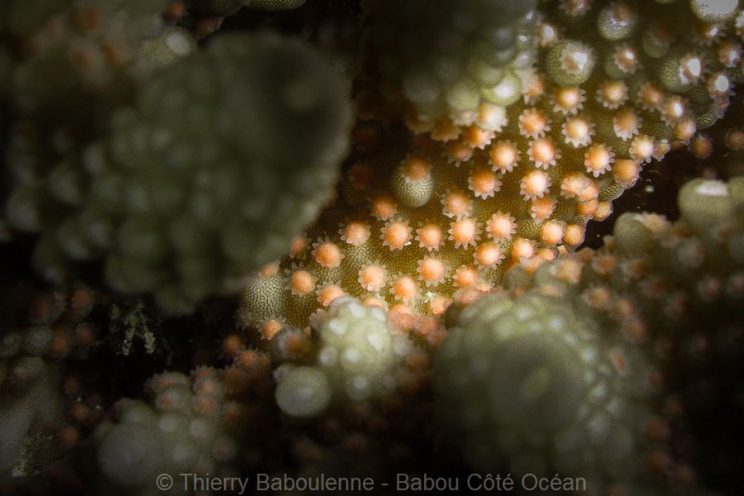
(289, 247)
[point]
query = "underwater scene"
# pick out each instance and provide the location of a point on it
(296, 247)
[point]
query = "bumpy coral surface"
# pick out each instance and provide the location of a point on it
(92, 49)
(233, 207)
(358, 353)
(591, 366)
(228, 204)
(188, 427)
(97, 51)
(720, 149)
(538, 388)
(452, 207)
(34, 348)
(452, 60)
(658, 292)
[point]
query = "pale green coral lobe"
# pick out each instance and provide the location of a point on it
(222, 159)
(530, 383)
(302, 391)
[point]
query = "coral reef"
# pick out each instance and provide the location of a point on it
(450, 62)
(594, 365)
(539, 388)
(460, 201)
(718, 150)
(226, 210)
(189, 426)
(231, 210)
(356, 359)
(34, 348)
(346, 246)
(658, 293)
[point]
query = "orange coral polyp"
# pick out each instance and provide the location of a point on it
(384, 207)
(270, 328)
(301, 282)
(598, 160)
(504, 156)
(587, 209)
(404, 289)
(673, 108)
(642, 148)
(573, 235)
(604, 210)
(626, 59)
(552, 232)
(612, 94)
(459, 151)
(327, 254)
(456, 204)
(568, 100)
(430, 237)
(534, 184)
(431, 270)
(650, 96)
(327, 294)
(542, 208)
(626, 123)
(543, 153)
(701, 146)
(598, 297)
(577, 131)
(501, 226)
(268, 270)
(488, 254)
(684, 129)
(372, 277)
(576, 185)
(522, 249)
(483, 183)
(299, 244)
(463, 232)
(476, 137)
(626, 171)
(533, 123)
(465, 276)
(415, 169)
(439, 304)
(735, 139)
(396, 235)
(355, 233)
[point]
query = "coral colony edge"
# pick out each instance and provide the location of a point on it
(372, 246)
